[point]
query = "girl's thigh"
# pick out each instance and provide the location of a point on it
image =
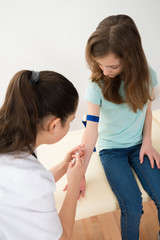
(121, 179)
(149, 177)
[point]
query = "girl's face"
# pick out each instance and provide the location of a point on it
(111, 65)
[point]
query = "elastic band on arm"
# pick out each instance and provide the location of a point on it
(92, 118)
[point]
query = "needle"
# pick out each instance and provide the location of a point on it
(73, 160)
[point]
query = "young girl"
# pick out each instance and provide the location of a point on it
(120, 94)
(38, 109)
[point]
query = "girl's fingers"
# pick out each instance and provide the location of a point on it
(141, 157)
(153, 157)
(66, 187)
(83, 192)
(157, 160)
(158, 163)
(151, 161)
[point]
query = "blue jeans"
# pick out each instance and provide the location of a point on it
(117, 165)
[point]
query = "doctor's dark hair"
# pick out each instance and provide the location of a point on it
(119, 35)
(27, 103)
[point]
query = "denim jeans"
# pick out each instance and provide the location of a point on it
(117, 164)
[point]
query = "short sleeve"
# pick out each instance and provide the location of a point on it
(93, 94)
(153, 76)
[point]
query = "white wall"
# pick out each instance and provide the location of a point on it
(52, 34)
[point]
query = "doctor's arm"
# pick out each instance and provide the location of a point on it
(67, 213)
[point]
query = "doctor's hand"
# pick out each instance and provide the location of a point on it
(70, 155)
(152, 154)
(75, 172)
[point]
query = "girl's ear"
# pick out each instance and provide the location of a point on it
(53, 124)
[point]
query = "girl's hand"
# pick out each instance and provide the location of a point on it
(82, 187)
(152, 154)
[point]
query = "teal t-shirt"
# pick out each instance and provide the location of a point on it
(119, 126)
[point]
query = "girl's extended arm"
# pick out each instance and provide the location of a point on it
(89, 140)
(147, 126)
(91, 133)
(147, 148)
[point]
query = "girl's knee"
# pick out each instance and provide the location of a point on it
(133, 210)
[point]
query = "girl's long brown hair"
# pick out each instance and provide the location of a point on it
(119, 35)
(27, 104)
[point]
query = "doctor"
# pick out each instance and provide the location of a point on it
(38, 109)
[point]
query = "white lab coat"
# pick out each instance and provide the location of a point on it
(27, 204)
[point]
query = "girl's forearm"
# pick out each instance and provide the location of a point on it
(89, 139)
(147, 126)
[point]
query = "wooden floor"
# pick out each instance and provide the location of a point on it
(107, 226)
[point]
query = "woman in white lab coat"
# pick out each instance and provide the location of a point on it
(38, 109)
